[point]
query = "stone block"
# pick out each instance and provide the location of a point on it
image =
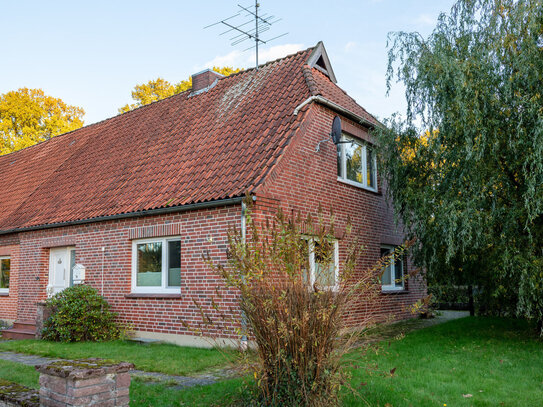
(90, 382)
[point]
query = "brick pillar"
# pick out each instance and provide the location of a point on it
(89, 382)
(43, 313)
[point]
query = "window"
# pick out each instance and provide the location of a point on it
(323, 263)
(156, 265)
(357, 163)
(392, 278)
(5, 266)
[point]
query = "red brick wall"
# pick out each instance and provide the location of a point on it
(8, 303)
(304, 179)
(201, 231)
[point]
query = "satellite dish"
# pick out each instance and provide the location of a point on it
(336, 130)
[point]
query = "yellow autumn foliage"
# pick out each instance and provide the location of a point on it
(29, 116)
(408, 152)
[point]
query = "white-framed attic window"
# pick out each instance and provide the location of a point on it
(156, 265)
(357, 163)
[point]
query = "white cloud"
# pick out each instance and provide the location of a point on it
(233, 58)
(349, 46)
(425, 19)
(247, 59)
(278, 51)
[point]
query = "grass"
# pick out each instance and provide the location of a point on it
(218, 394)
(467, 362)
(495, 361)
(153, 357)
(18, 373)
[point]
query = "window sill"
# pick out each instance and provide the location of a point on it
(359, 186)
(152, 295)
(4, 294)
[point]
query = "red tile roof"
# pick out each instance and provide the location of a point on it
(184, 149)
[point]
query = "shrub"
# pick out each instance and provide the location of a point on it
(79, 313)
(299, 328)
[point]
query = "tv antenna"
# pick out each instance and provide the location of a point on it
(236, 27)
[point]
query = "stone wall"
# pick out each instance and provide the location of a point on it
(90, 382)
(14, 395)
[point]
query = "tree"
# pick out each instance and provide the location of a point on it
(28, 116)
(159, 89)
(470, 188)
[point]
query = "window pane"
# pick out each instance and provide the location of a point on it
(174, 263)
(398, 272)
(370, 164)
(386, 278)
(353, 158)
(72, 265)
(5, 265)
(325, 272)
(339, 160)
(149, 266)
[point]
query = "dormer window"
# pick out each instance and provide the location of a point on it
(357, 163)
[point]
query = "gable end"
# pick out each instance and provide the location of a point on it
(319, 60)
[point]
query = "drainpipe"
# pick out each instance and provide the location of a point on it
(243, 344)
(103, 254)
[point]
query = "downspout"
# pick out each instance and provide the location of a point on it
(102, 276)
(243, 344)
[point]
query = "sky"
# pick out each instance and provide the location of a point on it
(92, 53)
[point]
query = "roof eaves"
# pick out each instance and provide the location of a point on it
(157, 211)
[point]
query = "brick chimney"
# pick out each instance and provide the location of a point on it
(203, 79)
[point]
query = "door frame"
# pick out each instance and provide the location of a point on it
(66, 253)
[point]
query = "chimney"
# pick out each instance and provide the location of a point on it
(204, 79)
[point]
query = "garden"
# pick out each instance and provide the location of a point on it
(473, 361)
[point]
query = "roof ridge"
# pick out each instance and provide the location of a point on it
(243, 71)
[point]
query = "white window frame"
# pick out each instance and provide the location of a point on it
(335, 257)
(6, 290)
(343, 167)
(393, 286)
(163, 289)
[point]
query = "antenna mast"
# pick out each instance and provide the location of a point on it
(256, 31)
(262, 24)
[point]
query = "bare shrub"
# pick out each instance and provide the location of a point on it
(298, 324)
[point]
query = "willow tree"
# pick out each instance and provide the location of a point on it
(465, 162)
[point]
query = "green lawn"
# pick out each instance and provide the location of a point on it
(22, 374)
(154, 357)
(498, 362)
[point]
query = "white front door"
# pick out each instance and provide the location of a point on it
(60, 268)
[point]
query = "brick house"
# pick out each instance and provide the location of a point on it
(134, 200)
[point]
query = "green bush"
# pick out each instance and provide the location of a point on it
(79, 314)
